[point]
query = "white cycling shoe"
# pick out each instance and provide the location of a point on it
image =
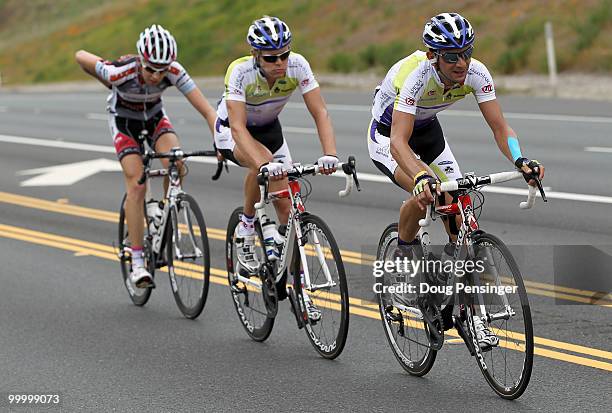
(486, 338)
(314, 314)
(141, 278)
(247, 257)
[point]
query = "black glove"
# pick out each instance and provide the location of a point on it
(534, 165)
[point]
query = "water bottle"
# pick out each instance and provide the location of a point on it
(154, 212)
(270, 235)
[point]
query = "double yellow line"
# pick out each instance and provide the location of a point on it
(544, 347)
(353, 257)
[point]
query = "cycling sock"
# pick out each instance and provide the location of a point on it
(402, 242)
(137, 257)
(248, 225)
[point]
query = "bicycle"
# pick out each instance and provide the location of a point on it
(308, 252)
(414, 320)
(174, 237)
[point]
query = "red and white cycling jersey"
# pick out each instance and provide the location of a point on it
(131, 97)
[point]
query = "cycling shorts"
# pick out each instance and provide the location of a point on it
(126, 132)
(270, 136)
(427, 142)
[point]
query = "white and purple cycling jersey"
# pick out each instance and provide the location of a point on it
(412, 85)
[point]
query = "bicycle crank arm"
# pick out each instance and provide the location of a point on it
(415, 312)
(437, 337)
(295, 308)
(505, 315)
(463, 334)
(248, 281)
(328, 285)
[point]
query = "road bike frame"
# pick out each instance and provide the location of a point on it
(465, 238)
(294, 230)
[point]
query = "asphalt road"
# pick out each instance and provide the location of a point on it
(68, 326)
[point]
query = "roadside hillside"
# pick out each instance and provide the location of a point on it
(38, 38)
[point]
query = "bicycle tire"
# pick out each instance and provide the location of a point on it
(512, 343)
(410, 358)
(328, 334)
(139, 296)
(248, 302)
(186, 234)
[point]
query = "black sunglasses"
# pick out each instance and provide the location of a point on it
(272, 58)
(454, 57)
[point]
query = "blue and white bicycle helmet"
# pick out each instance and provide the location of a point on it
(269, 33)
(448, 31)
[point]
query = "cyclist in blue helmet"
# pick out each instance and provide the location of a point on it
(405, 139)
(248, 132)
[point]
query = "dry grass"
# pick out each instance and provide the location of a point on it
(38, 38)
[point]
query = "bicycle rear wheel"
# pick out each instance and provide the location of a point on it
(188, 256)
(329, 295)
(246, 291)
(406, 331)
(507, 366)
(139, 296)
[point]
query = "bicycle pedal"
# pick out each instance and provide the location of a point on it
(295, 309)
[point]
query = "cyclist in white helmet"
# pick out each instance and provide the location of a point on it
(135, 106)
(405, 139)
(247, 129)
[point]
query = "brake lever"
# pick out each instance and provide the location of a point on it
(541, 188)
(219, 171)
(353, 166)
(356, 180)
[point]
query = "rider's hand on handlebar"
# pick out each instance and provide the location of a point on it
(424, 188)
(220, 157)
(327, 164)
(530, 169)
(276, 170)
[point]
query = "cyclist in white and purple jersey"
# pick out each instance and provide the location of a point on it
(136, 113)
(405, 140)
(248, 132)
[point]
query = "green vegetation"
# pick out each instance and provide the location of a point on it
(589, 29)
(38, 38)
(519, 42)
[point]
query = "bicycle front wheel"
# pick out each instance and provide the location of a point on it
(328, 292)
(245, 288)
(139, 296)
(406, 331)
(188, 256)
(507, 366)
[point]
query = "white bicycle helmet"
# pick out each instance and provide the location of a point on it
(157, 46)
(269, 33)
(448, 31)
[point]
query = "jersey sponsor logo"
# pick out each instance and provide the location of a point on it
(445, 163)
(417, 86)
(175, 71)
(480, 74)
(431, 93)
(305, 82)
(121, 75)
(383, 151)
(448, 170)
(410, 101)
(487, 88)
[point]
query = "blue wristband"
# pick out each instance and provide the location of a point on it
(515, 149)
